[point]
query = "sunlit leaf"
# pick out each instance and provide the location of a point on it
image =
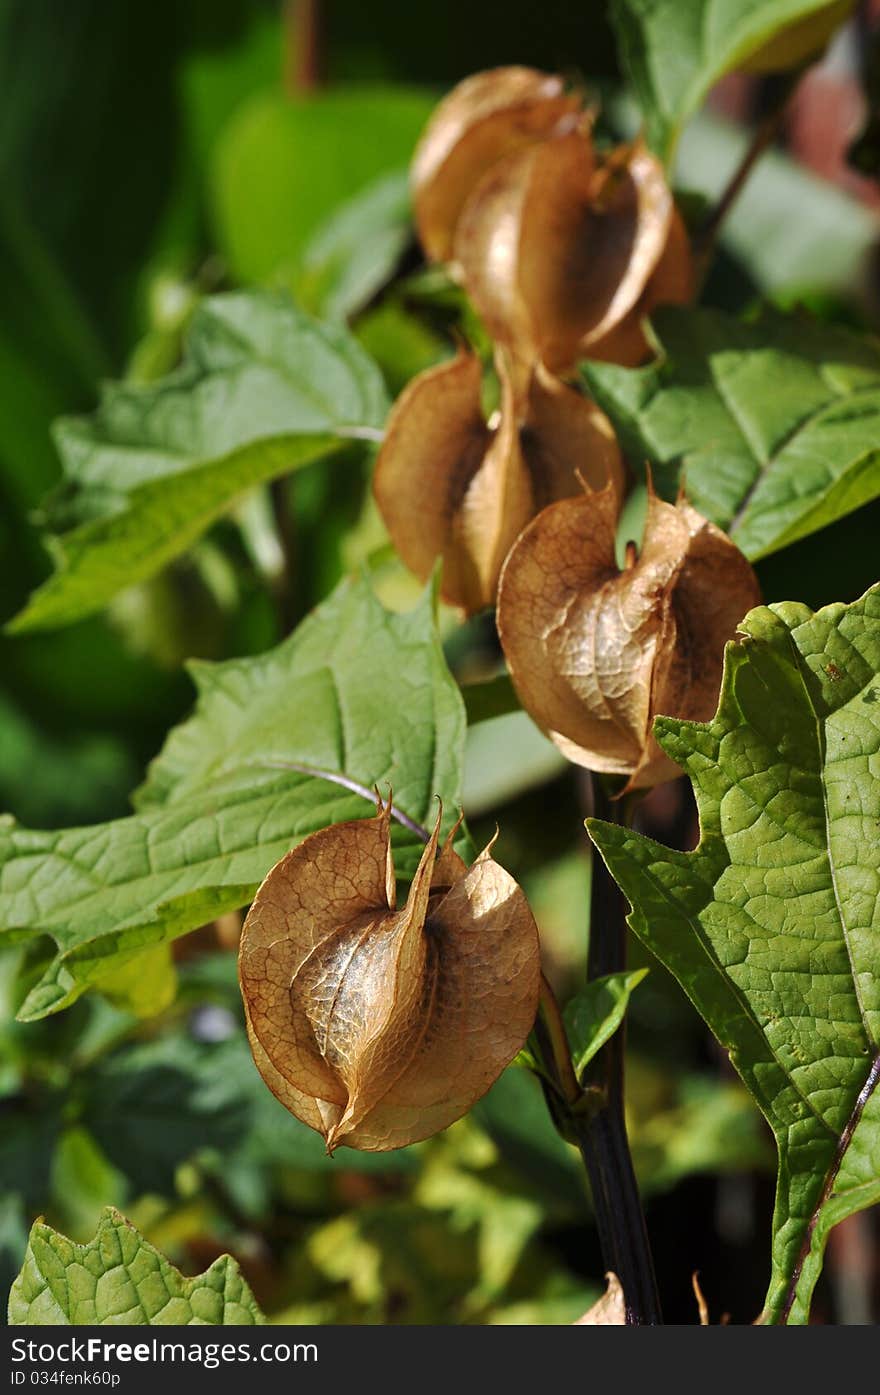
(595, 1013)
(771, 426)
(120, 1279)
(263, 389)
(771, 925)
(674, 50)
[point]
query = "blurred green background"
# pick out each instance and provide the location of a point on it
(150, 154)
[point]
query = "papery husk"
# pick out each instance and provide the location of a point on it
(449, 485)
(673, 282)
(484, 118)
(379, 1027)
(556, 252)
(595, 653)
(609, 1310)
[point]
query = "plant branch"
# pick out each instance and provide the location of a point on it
(602, 1136)
(301, 20)
(763, 136)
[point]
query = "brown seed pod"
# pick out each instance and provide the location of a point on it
(485, 117)
(379, 1027)
(450, 485)
(556, 252)
(595, 653)
(673, 282)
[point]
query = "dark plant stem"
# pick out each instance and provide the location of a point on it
(602, 1137)
(763, 137)
(302, 46)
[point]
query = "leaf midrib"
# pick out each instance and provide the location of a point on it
(831, 1175)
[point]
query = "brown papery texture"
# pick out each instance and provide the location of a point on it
(673, 282)
(484, 118)
(607, 1311)
(450, 485)
(556, 252)
(376, 1026)
(595, 653)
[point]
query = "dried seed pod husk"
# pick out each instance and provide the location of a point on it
(595, 653)
(609, 1310)
(555, 252)
(673, 282)
(376, 1026)
(485, 117)
(450, 485)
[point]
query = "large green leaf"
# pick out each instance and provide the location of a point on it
(278, 746)
(773, 426)
(283, 166)
(772, 925)
(674, 50)
(121, 1280)
(263, 389)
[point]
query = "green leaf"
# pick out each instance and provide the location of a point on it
(491, 777)
(278, 747)
(595, 1013)
(121, 1280)
(152, 1106)
(352, 254)
(674, 50)
(144, 985)
(772, 426)
(772, 925)
(263, 389)
(283, 166)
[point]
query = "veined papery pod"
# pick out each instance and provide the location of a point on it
(450, 485)
(556, 252)
(485, 117)
(379, 1027)
(673, 282)
(595, 653)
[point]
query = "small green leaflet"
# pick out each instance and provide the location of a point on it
(595, 1013)
(354, 252)
(674, 50)
(773, 427)
(772, 925)
(262, 390)
(278, 747)
(120, 1279)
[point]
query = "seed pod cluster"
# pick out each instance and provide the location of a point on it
(563, 251)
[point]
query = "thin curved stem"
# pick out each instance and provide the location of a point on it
(557, 1043)
(763, 136)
